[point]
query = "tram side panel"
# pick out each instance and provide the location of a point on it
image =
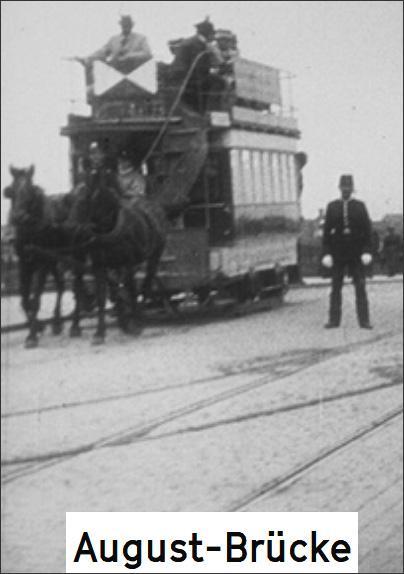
(243, 223)
(265, 204)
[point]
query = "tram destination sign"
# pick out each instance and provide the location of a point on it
(257, 82)
(121, 110)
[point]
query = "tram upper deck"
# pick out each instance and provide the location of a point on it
(237, 164)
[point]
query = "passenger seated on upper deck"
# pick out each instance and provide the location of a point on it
(227, 44)
(124, 52)
(204, 78)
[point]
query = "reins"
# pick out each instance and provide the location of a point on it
(173, 106)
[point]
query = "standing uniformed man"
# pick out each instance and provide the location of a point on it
(347, 246)
(199, 56)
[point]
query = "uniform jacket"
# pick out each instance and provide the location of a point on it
(347, 244)
(187, 51)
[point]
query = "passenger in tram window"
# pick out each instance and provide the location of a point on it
(124, 52)
(131, 182)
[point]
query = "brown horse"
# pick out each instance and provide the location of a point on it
(118, 238)
(36, 218)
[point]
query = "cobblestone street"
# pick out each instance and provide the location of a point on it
(265, 412)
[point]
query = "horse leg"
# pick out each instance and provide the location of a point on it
(25, 273)
(130, 285)
(120, 298)
(57, 325)
(101, 295)
(151, 270)
(40, 278)
(78, 288)
(113, 281)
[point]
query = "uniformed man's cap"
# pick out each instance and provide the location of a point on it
(224, 34)
(206, 28)
(126, 19)
(346, 181)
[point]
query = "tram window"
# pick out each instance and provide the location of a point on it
(289, 178)
(236, 175)
(293, 176)
(252, 191)
(246, 191)
(241, 176)
(285, 178)
(268, 185)
(258, 180)
(264, 197)
(276, 177)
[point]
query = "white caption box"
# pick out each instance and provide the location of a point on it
(212, 542)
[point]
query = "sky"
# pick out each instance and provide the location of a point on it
(348, 86)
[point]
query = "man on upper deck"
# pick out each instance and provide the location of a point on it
(124, 52)
(198, 58)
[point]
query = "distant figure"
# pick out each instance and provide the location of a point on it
(392, 246)
(132, 184)
(203, 78)
(124, 52)
(347, 244)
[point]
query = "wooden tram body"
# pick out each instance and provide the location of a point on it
(237, 164)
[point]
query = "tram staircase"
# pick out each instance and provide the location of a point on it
(182, 148)
(183, 151)
(184, 145)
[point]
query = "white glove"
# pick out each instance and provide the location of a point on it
(327, 261)
(366, 258)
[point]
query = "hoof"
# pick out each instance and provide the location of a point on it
(75, 332)
(98, 340)
(31, 342)
(40, 328)
(133, 329)
(57, 328)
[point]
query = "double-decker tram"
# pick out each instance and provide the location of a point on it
(223, 160)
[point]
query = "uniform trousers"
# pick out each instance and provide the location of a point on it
(357, 272)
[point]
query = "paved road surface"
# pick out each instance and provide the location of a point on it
(265, 412)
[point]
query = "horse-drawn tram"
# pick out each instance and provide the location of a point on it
(219, 152)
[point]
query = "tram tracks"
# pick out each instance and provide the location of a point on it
(282, 409)
(298, 358)
(283, 480)
(24, 466)
(29, 466)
